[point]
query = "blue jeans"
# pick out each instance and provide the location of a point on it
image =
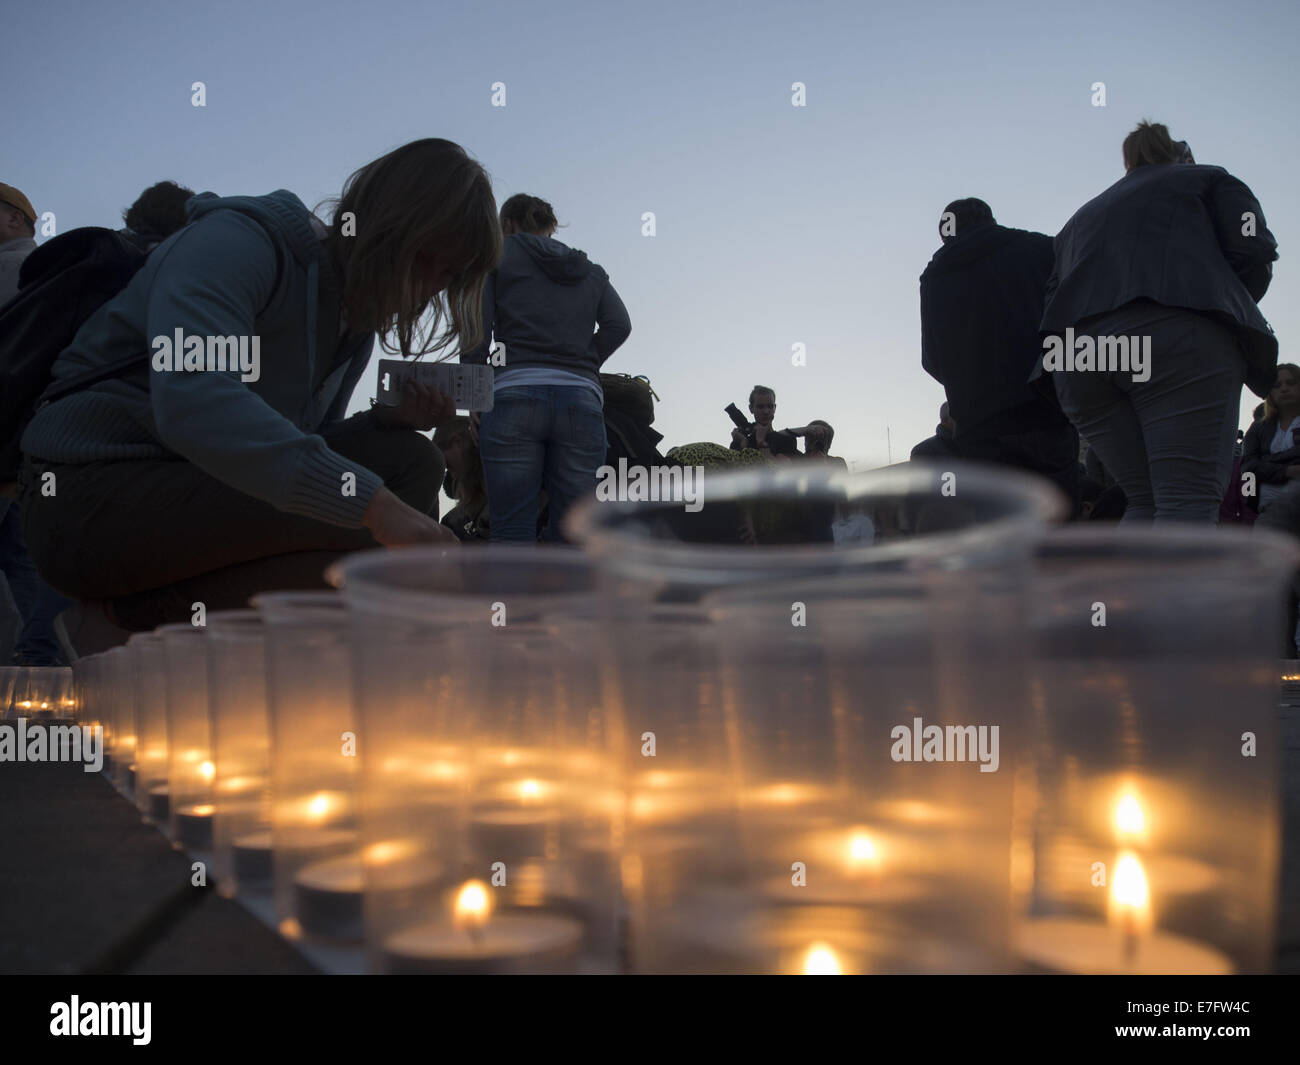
(38, 604)
(1167, 441)
(535, 437)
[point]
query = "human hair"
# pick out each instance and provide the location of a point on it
(830, 430)
(1270, 408)
(159, 211)
(528, 214)
(763, 390)
(472, 486)
(426, 198)
(1150, 145)
(970, 213)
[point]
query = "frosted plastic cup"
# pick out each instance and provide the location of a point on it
(190, 768)
(929, 524)
(487, 793)
(43, 693)
(315, 768)
(120, 679)
(241, 827)
(942, 517)
(92, 705)
(877, 722)
(1148, 842)
(151, 761)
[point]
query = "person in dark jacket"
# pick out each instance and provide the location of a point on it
(1167, 263)
(981, 301)
(943, 444)
(558, 318)
(1271, 450)
(759, 434)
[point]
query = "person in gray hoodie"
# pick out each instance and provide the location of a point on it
(546, 428)
(221, 464)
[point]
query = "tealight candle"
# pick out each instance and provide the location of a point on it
(194, 826)
(857, 866)
(478, 942)
(328, 893)
(252, 856)
(521, 822)
(1126, 945)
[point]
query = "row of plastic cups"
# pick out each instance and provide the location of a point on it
(902, 737)
(910, 755)
(37, 692)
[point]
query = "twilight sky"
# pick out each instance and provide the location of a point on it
(776, 224)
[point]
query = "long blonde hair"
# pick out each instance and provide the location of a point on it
(426, 196)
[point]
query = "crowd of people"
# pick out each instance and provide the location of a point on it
(183, 487)
(1133, 331)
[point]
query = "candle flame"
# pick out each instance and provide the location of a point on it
(473, 904)
(530, 790)
(821, 961)
(386, 851)
(318, 806)
(1130, 898)
(1130, 818)
(207, 771)
(862, 849)
(203, 810)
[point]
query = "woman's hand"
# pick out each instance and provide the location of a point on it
(395, 524)
(421, 407)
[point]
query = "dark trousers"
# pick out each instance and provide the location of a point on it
(38, 604)
(1168, 440)
(1052, 453)
(155, 536)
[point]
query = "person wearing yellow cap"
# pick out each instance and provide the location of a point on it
(17, 233)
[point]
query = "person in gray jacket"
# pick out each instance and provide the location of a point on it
(1168, 265)
(223, 464)
(546, 427)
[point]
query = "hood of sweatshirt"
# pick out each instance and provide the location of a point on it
(285, 216)
(969, 248)
(559, 262)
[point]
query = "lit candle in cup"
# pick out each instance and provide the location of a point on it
(194, 826)
(475, 940)
(855, 866)
(517, 820)
(1079, 945)
(328, 893)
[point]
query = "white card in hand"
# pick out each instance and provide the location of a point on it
(469, 385)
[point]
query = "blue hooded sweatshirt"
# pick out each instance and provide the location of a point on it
(243, 266)
(542, 303)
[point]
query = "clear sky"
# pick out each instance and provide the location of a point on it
(776, 225)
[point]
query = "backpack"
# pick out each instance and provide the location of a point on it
(629, 413)
(60, 285)
(632, 395)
